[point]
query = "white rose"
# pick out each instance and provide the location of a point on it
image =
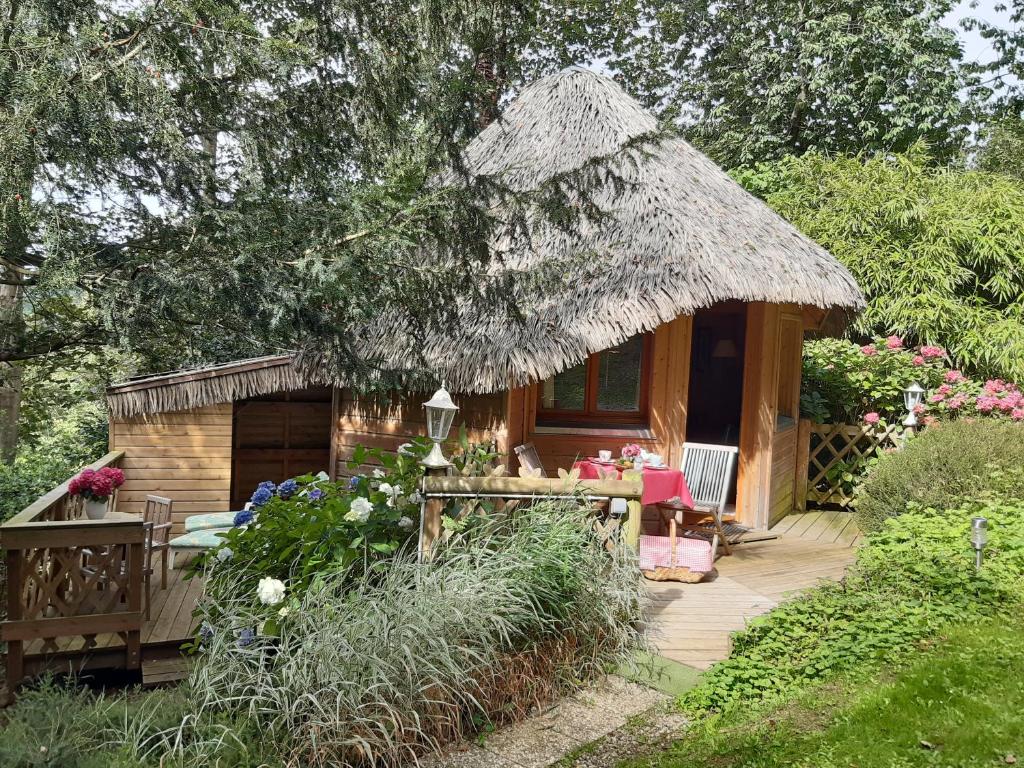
(360, 510)
(406, 523)
(224, 554)
(270, 591)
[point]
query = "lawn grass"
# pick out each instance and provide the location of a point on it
(960, 703)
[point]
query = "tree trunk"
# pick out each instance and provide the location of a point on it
(10, 382)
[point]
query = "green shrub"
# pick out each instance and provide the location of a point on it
(943, 465)
(404, 657)
(911, 579)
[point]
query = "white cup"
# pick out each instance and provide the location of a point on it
(604, 455)
(654, 460)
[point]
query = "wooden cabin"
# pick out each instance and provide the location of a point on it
(679, 317)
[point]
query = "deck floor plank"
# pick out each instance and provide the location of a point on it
(693, 623)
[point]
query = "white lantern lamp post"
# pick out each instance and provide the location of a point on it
(912, 397)
(440, 414)
(979, 538)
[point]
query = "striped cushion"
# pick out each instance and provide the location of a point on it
(212, 520)
(207, 539)
(694, 554)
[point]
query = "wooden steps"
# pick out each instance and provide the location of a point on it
(161, 671)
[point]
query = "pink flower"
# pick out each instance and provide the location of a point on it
(985, 404)
(932, 352)
(918, 360)
(944, 389)
(995, 386)
(956, 402)
(954, 376)
(1018, 414)
(930, 421)
(894, 342)
(871, 418)
(936, 398)
(869, 350)
(631, 451)
(920, 408)
(115, 475)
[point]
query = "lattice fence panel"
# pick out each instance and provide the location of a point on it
(838, 454)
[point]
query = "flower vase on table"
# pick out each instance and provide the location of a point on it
(96, 486)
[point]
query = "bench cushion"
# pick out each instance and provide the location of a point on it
(207, 539)
(208, 521)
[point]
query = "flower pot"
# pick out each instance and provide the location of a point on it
(95, 509)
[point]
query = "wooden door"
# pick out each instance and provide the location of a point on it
(277, 437)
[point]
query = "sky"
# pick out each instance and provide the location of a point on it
(975, 48)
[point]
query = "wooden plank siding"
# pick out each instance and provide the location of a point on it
(387, 421)
(184, 455)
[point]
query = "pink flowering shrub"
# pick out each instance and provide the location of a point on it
(846, 383)
(96, 484)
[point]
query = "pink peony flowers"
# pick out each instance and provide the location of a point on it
(872, 418)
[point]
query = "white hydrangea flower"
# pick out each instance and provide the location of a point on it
(405, 449)
(393, 492)
(406, 523)
(416, 498)
(270, 591)
(378, 473)
(284, 611)
(224, 554)
(359, 511)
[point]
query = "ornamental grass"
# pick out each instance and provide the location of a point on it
(406, 658)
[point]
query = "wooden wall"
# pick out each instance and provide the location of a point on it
(670, 374)
(388, 421)
(185, 455)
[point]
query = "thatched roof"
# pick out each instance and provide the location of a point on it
(676, 234)
(184, 389)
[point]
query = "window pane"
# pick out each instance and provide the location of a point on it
(566, 391)
(618, 380)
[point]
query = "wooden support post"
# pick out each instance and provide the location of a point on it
(803, 460)
(15, 648)
(633, 523)
(133, 637)
(430, 518)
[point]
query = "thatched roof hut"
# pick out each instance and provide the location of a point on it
(675, 234)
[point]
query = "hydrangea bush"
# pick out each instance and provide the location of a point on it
(847, 383)
(309, 525)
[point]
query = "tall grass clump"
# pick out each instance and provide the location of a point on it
(946, 463)
(404, 658)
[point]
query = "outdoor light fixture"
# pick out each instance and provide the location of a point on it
(440, 414)
(979, 538)
(912, 397)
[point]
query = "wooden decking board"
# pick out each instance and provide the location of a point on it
(692, 623)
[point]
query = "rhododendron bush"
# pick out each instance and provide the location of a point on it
(848, 383)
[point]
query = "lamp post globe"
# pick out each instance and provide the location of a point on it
(912, 397)
(440, 414)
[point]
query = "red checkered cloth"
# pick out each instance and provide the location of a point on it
(656, 551)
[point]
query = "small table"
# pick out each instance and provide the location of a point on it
(659, 484)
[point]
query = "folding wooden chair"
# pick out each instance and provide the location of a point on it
(708, 471)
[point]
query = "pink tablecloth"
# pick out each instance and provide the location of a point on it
(659, 484)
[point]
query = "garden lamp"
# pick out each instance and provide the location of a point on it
(440, 414)
(979, 538)
(912, 397)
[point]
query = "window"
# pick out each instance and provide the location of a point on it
(610, 387)
(787, 403)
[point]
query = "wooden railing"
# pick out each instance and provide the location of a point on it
(831, 458)
(70, 578)
(617, 522)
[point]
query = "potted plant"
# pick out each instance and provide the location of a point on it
(96, 487)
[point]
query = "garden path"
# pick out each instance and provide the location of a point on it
(692, 623)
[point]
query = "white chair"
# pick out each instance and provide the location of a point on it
(708, 471)
(529, 458)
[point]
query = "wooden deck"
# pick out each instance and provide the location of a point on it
(170, 624)
(692, 623)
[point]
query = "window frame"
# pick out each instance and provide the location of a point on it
(590, 414)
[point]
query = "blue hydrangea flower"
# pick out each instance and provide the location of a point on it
(316, 494)
(205, 632)
(261, 496)
(354, 481)
(268, 484)
(287, 488)
(245, 637)
(244, 517)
